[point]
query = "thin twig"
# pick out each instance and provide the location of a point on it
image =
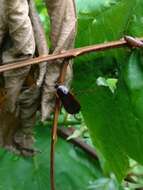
(53, 141)
(55, 125)
(65, 132)
(67, 54)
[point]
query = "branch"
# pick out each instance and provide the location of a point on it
(55, 125)
(53, 141)
(66, 132)
(67, 54)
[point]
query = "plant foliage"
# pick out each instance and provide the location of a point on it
(17, 173)
(109, 87)
(114, 119)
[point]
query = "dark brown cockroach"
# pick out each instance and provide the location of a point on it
(132, 42)
(69, 102)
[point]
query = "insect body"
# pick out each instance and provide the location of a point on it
(69, 102)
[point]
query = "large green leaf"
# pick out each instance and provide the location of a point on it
(101, 21)
(74, 169)
(114, 119)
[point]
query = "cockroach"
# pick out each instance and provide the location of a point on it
(68, 100)
(135, 43)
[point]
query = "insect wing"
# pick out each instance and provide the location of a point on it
(69, 102)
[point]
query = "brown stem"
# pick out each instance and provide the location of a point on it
(72, 53)
(53, 140)
(55, 125)
(66, 132)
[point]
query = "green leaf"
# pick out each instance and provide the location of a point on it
(101, 81)
(101, 114)
(105, 184)
(134, 72)
(101, 21)
(77, 133)
(17, 173)
(114, 119)
(110, 83)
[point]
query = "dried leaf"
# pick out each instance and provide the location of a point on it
(40, 40)
(14, 18)
(63, 28)
(20, 27)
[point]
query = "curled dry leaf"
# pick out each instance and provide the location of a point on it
(3, 21)
(21, 104)
(40, 40)
(23, 45)
(16, 27)
(63, 28)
